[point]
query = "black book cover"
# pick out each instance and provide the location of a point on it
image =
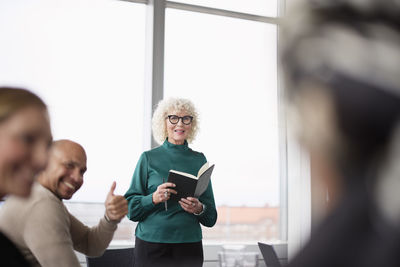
(188, 185)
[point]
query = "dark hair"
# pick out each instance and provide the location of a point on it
(14, 99)
(366, 117)
(347, 46)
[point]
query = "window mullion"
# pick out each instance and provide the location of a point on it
(154, 65)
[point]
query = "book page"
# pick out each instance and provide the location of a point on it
(185, 174)
(203, 181)
(203, 169)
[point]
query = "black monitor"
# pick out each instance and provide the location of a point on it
(269, 255)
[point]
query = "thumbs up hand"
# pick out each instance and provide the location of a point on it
(116, 205)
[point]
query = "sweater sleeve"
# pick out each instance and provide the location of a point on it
(92, 241)
(209, 217)
(48, 237)
(140, 205)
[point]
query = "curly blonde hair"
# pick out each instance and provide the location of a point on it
(162, 111)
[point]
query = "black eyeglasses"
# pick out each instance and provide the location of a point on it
(175, 119)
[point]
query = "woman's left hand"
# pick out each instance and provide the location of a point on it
(191, 205)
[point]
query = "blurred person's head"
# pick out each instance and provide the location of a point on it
(175, 119)
(342, 64)
(25, 138)
(64, 172)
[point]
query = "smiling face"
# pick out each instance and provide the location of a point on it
(178, 133)
(64, 173)
(25, 138)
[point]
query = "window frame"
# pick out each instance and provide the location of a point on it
(154, 92)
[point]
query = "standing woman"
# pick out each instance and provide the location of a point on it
(25, 138)
(172, 236)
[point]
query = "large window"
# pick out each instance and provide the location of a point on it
(227, 66)
(86, 58)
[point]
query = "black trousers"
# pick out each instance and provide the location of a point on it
(149, 254)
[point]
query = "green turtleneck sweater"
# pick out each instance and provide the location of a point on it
(174, 225)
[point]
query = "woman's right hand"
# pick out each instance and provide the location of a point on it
(163, 193)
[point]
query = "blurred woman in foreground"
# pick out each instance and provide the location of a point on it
(25, 138)
(342, 60)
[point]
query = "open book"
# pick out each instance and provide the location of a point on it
(188, 185)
